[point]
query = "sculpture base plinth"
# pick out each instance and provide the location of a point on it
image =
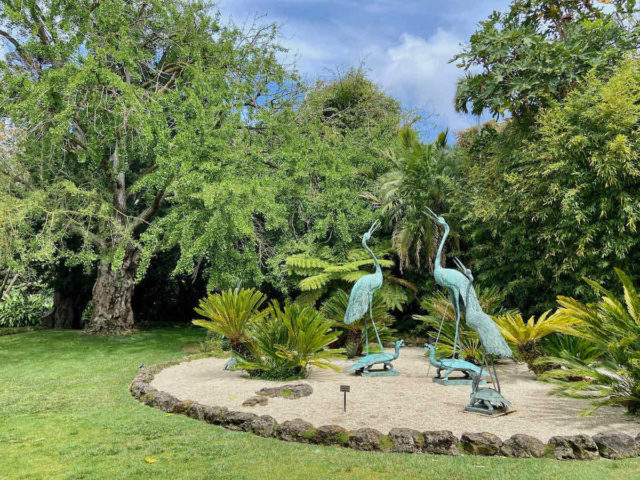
(490, 413)
(454, 381)
(380, 373)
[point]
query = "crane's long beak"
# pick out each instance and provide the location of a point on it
(374, 227)
(430, 214)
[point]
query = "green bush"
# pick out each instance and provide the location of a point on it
(287, 341)
(610, 375)
(230, 314)
(20, 310)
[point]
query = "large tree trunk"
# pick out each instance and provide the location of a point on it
(112, 295)
(71, 293)
(66, 312)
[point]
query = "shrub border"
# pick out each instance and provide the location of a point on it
(401, 440)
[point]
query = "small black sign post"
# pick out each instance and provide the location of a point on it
(345, 389)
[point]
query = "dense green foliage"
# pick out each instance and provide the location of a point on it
(231, 314)
(20, 309)
(525, 337)
(561, 202)
(612, 326)
(288, 341)
(536, 52)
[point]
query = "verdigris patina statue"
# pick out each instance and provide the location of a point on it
(450, 365)
(485, 400)
(360, 300)
(457, 284)
(363, 366)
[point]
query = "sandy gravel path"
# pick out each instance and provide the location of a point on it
(409, 400)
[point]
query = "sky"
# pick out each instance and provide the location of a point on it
(405, 45)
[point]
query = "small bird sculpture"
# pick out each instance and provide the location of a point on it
(364, 365)
(450, 365)
(361, 296)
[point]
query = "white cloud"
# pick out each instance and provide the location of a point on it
(417, 72)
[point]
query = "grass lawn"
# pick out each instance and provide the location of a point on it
(66, 413)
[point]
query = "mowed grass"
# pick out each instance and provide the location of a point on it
(66, 413)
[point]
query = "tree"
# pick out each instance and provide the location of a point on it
(536, 52)
(422, 177)
(322, 156)
(560, 203)
(139, 117)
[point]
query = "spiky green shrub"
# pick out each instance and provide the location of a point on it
(353, 336)
(526, 337)
(287, 341)
(612, 325)
(230, 314)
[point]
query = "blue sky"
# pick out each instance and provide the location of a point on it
(405, 44)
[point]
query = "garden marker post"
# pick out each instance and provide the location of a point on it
(345, 389)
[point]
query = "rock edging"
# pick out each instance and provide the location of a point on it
(613, 446)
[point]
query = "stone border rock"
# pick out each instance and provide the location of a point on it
(613, 446)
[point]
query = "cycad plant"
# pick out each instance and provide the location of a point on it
(353, 337)
(612, 325)
(230, 314)
(526, 336)
(285, 343)
(438, 306)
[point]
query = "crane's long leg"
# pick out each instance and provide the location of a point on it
(456, 305)
(495, 375)
(374, 323)
(366, 337)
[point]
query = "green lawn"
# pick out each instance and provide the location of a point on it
(66, 412)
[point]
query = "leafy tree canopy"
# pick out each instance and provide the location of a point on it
(537, 51)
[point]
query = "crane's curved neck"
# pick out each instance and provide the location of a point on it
(375, 260)
(441, 247)
(432, 356)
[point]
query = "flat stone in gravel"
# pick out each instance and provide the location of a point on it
(574, 447)
(255, 400)
(290, 390)
(615, 446)
(523, 446)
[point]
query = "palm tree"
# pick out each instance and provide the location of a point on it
(422, 177)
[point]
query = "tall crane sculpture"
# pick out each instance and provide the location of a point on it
(453, 280)
(361, 297)
(360, 300)
(492, 341)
